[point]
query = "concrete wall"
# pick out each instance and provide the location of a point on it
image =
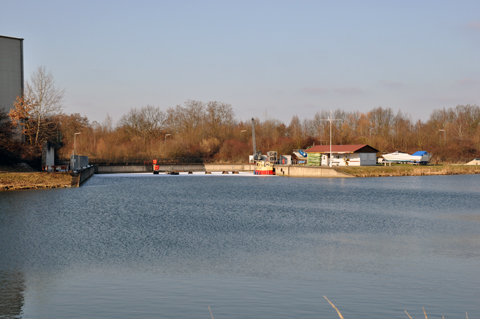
(281, 170)
(77, 162)
(11, 71)
(182, 168)
(123, 169)
(85, 174)
(176, 168)
(229, 167)
(308, 171)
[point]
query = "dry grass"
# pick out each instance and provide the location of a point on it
(408, 170)
(14, 181)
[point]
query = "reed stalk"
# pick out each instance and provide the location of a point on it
(339, 314)
(211, 314)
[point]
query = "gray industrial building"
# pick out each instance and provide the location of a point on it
(11, 71)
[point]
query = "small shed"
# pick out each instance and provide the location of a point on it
(286, 159)
(48, 157)
(342, 155)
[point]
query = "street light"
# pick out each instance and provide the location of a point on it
(330, 119)
(166, 143)
(444, 134)
(75, 146)
(75, 142)
(241, 134)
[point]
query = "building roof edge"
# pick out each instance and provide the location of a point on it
(8, 37)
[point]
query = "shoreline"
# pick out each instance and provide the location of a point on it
(35, 180)
(410, 170)
(44, 180)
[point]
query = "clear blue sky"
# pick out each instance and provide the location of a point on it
(265, 58)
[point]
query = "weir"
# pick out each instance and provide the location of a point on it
(280, 170)
(107, 169)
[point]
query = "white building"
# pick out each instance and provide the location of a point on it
(342, 155)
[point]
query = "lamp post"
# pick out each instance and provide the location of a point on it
(330, 119)
(166, 143)
(444, 134)
(75, 147)
(241, 134)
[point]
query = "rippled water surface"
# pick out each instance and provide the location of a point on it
(158, 246)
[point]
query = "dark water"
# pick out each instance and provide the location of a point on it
(156, 246)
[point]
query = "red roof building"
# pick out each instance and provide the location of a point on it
(342, 155)
(342, 149)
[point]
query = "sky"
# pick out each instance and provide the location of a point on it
(268, 59)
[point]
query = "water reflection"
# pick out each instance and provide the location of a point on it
(130, 246)
(12, 288)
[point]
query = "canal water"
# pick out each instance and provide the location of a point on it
(158, 246)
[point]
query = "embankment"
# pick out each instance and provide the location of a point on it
(409, 170)
(43, 180)
(34, 180)
(309, 171)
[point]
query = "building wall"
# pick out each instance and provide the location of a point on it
(368, 159)
(48, 155)
(77, 161)
(353, 159)
(11, 71)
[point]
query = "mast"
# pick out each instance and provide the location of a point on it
(253, 137)
(255, 155)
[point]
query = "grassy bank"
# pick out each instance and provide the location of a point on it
(34, 180)
(408, 170)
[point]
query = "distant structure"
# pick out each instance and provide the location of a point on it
(342, 155)
(11, 71)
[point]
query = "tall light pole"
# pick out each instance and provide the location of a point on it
(330, 119)
(241, 134)
(444, 134)
(74, 146)
(166, 143)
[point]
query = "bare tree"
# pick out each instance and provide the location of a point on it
(219, 119)
(152, 121)
(131, 122)
(21, 115)
(6, 128)
(146, 123)
(46, 97)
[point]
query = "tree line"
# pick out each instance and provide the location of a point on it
(210, 132)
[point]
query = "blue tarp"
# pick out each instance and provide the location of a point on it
(302, 152)
(419, 153)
